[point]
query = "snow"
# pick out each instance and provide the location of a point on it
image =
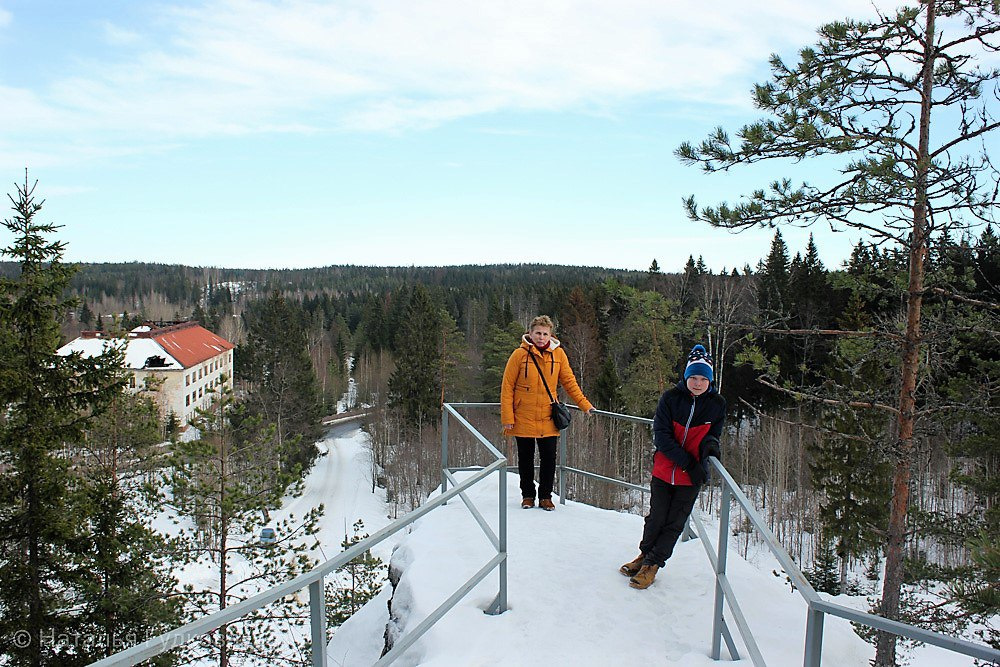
(340, 480)
(568, 605)
(137, 351)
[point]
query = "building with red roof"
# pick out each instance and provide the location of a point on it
(182, 364)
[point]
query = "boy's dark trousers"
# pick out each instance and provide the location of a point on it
(669, 507)
(546, 467)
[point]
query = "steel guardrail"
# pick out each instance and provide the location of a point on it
(313, 580)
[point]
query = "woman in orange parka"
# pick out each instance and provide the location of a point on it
(526, 410)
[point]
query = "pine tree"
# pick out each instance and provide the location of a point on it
(47, 400)
(845, 99)
(226, 482)
(362, 580)
(644, 347)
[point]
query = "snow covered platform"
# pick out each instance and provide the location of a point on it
(568, 604)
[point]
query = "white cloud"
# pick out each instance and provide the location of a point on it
(5, 18)
(234, 66)
(118, 36)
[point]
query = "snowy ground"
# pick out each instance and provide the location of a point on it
(341, 480)
(568, 605)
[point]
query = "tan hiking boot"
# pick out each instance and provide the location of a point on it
(546, 504)
(631, 568)
(527, 503)
(644, 578)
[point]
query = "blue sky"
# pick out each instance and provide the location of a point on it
(257, 133)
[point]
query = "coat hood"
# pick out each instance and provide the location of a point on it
(553, 343)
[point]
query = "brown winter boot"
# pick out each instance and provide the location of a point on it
(631, 568)
(546, 504)
(527, 503)
(644, 578)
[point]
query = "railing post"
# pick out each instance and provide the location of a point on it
(502, 595)
(444, 449)
(814, 638)
(317, 618)
(720, 569)
(562, 467)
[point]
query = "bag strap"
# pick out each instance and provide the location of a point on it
(542, 375)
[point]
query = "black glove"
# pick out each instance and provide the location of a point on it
(696, 471)
(711, 448)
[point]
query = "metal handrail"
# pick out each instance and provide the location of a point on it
(314, 581)
(816, 606)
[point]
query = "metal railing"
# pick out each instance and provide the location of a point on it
(313, 580)
(817, 608)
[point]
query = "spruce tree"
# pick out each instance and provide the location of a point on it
(46, 399)
(129, 593)
(497, 346)
(772, 291)
(415, 385)
(280, 378)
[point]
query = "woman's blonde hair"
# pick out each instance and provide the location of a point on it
(542, 321)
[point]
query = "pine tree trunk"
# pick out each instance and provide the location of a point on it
(885, 655)
(223, 530)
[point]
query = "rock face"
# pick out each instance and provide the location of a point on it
(400, 603)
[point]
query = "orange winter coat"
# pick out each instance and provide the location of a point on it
(523, 400)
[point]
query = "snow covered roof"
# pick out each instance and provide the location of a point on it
(173, 347)
(138, 352)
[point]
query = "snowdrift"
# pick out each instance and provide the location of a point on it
(568, 605)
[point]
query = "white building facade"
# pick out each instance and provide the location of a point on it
(179, 364)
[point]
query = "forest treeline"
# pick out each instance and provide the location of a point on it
(803, 354)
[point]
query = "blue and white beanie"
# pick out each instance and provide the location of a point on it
(698, 363)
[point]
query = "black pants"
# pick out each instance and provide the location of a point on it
(669, 508)
(546, 468)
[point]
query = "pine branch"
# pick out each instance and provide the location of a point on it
(814, 427)
(806, 332)
(964, 299)
(827, 401)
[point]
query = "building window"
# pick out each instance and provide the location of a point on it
(187, 400)
(199, 393)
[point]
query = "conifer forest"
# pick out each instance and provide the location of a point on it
(864, 397)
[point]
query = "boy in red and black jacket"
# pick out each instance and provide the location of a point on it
(686, 431)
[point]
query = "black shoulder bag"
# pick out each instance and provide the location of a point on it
(561, 415)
